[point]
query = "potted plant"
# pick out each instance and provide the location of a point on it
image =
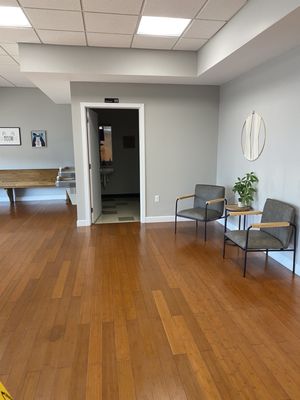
(244, 187)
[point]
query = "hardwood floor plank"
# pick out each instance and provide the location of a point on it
(79, 367)
(28, 390)
(133, 312)
(169, 324)
(61, 280)
(110, 387)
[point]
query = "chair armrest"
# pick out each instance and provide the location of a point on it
(239, 213)
(213, 201)
(185, 197)
(270, 225)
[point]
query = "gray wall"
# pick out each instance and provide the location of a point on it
(30, 109)
(272, 90)
(181, 124)
(125, 178)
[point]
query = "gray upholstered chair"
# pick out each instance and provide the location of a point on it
(208, 205)
(274, 232)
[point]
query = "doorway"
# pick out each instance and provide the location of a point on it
(115, 171)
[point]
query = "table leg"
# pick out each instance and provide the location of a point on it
(10, 194)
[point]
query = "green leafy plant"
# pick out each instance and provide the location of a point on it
(245, 188)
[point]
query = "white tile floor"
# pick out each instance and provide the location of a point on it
(119, 210)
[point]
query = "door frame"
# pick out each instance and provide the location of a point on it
(85, 153)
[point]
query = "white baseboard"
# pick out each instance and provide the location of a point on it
(36, 198)
(166, 218)
(83, 222)
(72, 195)
(282, 257)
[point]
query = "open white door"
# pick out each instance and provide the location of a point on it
(94, 162)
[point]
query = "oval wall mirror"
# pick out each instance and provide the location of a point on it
(253, 136)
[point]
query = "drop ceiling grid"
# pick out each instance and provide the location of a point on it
(113, 23)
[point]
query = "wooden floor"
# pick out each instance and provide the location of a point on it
(133, 312)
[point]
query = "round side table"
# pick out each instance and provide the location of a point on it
(236, 208)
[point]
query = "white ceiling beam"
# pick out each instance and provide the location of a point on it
(253, 19)
(101, 61)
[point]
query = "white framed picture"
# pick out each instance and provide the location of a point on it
(10, 136)
(39, 138)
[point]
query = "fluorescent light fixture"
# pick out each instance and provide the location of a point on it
(162, 26)
(13, 17)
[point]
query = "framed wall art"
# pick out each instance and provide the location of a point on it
(39, 138)
(10, 136)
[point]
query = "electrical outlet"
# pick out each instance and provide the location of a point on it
(156, 198)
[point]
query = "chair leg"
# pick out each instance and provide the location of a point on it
(224, 244)
(175, 224)
(196, 226)
(245, 264)
(267, 255)
(295, 245)
(294, 261)
(205, 223)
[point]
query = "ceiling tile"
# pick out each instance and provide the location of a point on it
(153, 42)
(203, 29)
(221, 9)
(110, 23)
(113, 6)
(5, 83)
(62, 37)
(172, 8)
(22, 35)
(11, 48)
(108, 40)
(189, 44)
(53, 19)
(9, 3)
(52, 4)
(6, 60)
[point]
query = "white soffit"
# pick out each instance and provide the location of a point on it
(190, 44)
(272, 35)
(52, 4)
(11, 48)
(153, 42)
(62, 37)
(55, 19)
(203, 29)
(110, 23)
(173, 8)
(9, 3)
(103, 23)
(221, 9)
(17, 79)
(113, 6)
(18, 35)
(5, 83)
(108, 40)
(6, 60)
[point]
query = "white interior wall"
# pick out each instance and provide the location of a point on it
(181, 124)
(30, 109)
(272, 90)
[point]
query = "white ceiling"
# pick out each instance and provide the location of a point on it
(107, 23)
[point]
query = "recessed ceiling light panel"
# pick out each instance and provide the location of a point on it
(13, 17)
(162, 26)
